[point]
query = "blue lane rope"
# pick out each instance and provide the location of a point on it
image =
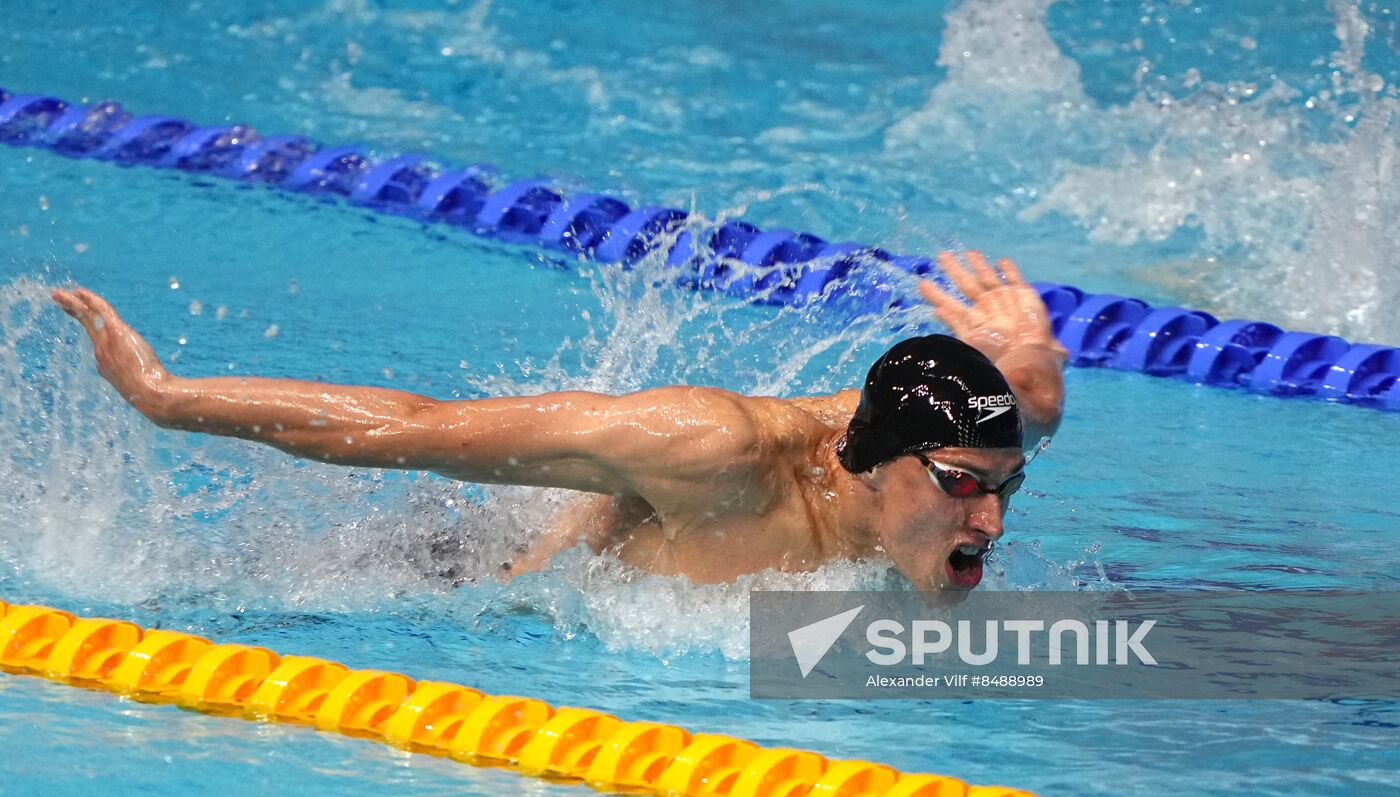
(768, 266)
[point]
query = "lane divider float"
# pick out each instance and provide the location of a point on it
(534, 738)
(781, 266)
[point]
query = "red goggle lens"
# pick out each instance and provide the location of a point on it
(957, 483)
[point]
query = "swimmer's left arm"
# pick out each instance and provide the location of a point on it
(1008, 322)
(673, 447)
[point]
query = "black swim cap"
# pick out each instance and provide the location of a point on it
(925, 393)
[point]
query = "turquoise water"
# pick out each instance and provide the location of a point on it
(1101, 144)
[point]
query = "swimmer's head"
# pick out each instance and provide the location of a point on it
(937, 435)
(929, 393)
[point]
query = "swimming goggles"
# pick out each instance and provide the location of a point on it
(961, 484)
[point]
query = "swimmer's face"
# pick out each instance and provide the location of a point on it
(936, 540)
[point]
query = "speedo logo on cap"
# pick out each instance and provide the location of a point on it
(991, 406)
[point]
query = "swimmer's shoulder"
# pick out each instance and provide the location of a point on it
(795, 423)
(717, 422)
(717, 448)
(832, 411)
(757, 426)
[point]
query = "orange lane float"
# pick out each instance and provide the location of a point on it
(568, 744)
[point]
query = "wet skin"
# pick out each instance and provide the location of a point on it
(691, 481)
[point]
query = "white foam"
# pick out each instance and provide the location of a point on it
(1004, 75)
(1290, 194)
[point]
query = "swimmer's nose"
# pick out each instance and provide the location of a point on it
(984, 517)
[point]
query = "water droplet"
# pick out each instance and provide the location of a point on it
(196, 307)
(270, 332)
(221, 313)
(174, 283)
(43, 203)
(80, 248)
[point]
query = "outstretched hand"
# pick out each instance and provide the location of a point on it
(1005, 311)
(124, 358)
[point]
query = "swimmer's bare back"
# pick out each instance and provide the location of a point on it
(697, 481)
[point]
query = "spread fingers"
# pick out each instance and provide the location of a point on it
(958, 273)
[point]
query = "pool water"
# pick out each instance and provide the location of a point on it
(1228, 156)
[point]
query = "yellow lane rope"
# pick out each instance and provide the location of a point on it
(529, 735)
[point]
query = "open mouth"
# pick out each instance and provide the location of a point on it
(965, 566)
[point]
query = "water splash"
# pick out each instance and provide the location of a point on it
(1272, 192)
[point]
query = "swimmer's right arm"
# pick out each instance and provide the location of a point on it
(671, 445)
(1006, 320)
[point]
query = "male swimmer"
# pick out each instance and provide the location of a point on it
(919, 465)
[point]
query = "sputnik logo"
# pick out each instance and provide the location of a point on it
(811, 642)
